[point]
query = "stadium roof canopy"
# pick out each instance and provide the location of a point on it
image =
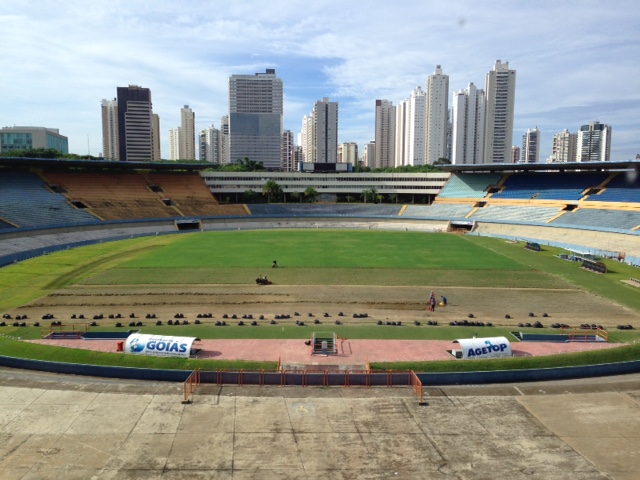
(547, 167)
(100, 164)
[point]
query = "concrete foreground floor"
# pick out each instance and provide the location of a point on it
(66, 427)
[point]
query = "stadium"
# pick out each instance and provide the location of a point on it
(515, 250)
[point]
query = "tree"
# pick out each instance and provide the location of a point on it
(249, 196)
(442, 161)
(370, 195)
(311, 194)
(271, 190)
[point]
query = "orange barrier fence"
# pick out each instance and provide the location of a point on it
(582, 334)
(416, 384)
(190, 384)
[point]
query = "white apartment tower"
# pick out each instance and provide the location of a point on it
(174, 143)
(385, 139)
(209, 145)
(369, 155)
(256, 118)
(564, 147)
(594, 143)
(187, 134)
(500, 91)
(348, 153)
(110, 129)
(467, 143)
(307, 139)
(402, 127)
(416, 128)
(288, 149)
(437, 116)
(531, 146)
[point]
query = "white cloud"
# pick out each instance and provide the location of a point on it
(576, 61)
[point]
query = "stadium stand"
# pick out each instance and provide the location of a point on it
(295, 209)
(25, 201)
(515, 214)
(188, 194)
(610, 219)
(469, 186)
(622, 188)
(438, 210)
(549, 186)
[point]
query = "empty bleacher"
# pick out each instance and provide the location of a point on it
(598, 218)
(189, 195)
(549, 186)
(311, 209)
(25, 201)
(443, 211)
(469, 186)
(624, 187)
(113, 196)
(515, 214)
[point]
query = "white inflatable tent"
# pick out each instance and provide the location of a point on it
(477, 348)
(160, 345)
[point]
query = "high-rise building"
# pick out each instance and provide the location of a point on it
(288, 149)
(27, 138)
(225, 152)
(369, 155)
(348, 153)
(174, 143)
(402, 134)
(155, 132)
(594, 143)
(500, 92)
(307, 139)
(110, 149)
(325, 121)
(385, 137)
(467, 143)
(187, 134)
(531, 146)
(415, 137)
(210, 140)
(437, 116)
(564, 147)
(136, 124)
(515, 154)
(256, 118)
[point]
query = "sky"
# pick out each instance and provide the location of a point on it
(576, 61)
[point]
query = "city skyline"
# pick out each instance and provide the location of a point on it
(575, 66)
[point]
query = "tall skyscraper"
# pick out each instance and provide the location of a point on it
(210, 148)
(564, 147)
(415, 137)
(187, 134)
(594, 143)
(437, 116)
(501, 93)
(225, 152)
(369, 155)
(402, 134)
(110, 149)
(385, 139)
(136, 124)
(531, 146)
(256, 118)
(325, 119)
(174, 143)
(288, 149)
(155, 133)
(467, 144)
(307, 139)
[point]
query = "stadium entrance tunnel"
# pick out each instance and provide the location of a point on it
(190, 224)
